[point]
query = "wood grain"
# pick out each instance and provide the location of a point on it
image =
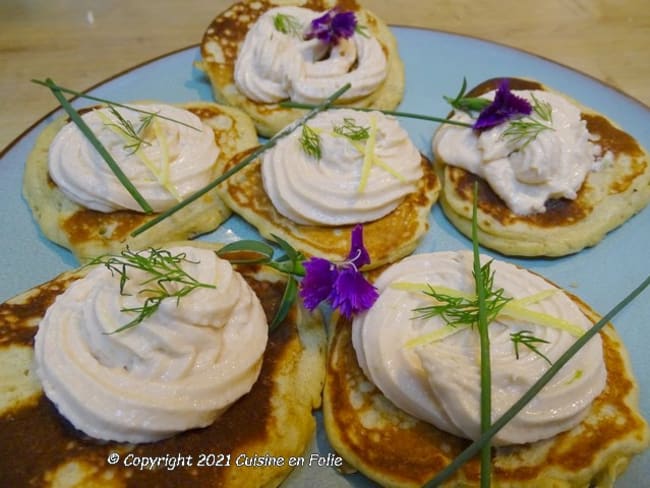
(79, 43)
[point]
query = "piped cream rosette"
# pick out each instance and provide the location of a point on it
(273, 65)
(178, 369)
(354, 180)
(525, 171)
(172, 161)
(438, 379)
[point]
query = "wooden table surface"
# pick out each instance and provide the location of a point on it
(79, 43)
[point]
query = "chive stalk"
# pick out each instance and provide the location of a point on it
(96, 143)
(111, 103)
(407, 115)
(484, 339)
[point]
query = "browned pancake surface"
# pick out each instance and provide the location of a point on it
(395, 449)
(607, 198)
(228, 30)
(386, 239)
(38, 446)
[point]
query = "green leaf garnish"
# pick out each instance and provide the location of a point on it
(527, 339)
(460, 309)
(254, 252)
(310, 142)
(523, 131)
(244, 162)
(165, 279)
(467, 104)
(362, 30)
(96, 143)
(543, 109)
(290, 263)
(454, 310)
(133, 135)
(350, 129)
(288, 298)
(288, 24)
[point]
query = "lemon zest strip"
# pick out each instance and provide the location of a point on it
(514, 309)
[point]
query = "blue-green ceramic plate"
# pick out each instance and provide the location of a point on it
(436, 63)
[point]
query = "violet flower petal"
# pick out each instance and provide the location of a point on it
(352, 293)
(343, 285)
(343, 25)
(320, 27)
(324, 21)
(318, 283)
(358, 254)
(505, 106)
(332, 26)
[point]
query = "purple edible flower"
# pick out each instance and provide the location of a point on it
(358, 254)
(342, 285)
(505, 106)
(352, 293)
(332, 26)
(318, 283)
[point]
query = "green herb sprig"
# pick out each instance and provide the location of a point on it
(165, 279)
(467, 104)
(244, 162)
(310, 142)
(523, 131)
(527, 339)
(353, 131)
(543, 109)
(133, 134)
(290, 263)
(96, 143)
(457, 310)
(288, 24)
(362, 30)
